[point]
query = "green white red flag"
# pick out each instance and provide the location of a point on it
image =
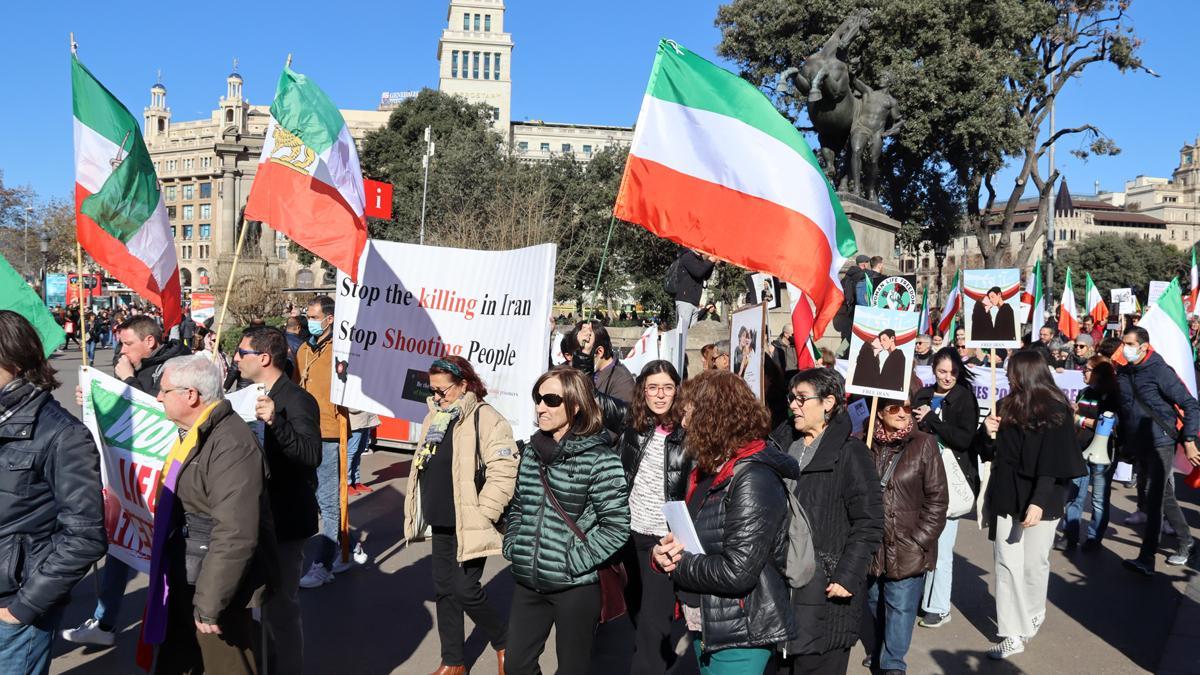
(714, 166)
(121, 219)
(953, 305)
(1067, 323)
(925, 327)
(1166, 322)
(1096, 307)
(1194, 293)
(309, 185)
(1037, 312)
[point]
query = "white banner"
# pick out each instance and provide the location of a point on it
(413, 304)
(134, 437)
(644, 351)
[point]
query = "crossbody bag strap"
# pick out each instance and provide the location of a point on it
(1172, 432)
(478, 455)
(558, 507)
(891, 468)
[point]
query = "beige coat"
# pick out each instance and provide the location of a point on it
(476, 515)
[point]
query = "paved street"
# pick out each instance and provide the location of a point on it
(379, 618)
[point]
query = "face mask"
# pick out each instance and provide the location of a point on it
(1131, 353)
(315, 327)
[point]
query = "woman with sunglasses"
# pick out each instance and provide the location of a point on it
(839, 490)
(1031, 444)
(734, 596)
(915, 499)
(1100, 396)
(463, 476)
(568, 471)
(656, 470)
(949, 411)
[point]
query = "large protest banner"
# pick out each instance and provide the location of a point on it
(413, 304)
(134, 437)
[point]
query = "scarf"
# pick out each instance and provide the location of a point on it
(14, 395)
(154, 624)
(888, 437)
(441, 422)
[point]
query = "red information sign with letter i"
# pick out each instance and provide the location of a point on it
(379, 199)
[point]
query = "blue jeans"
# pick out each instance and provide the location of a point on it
(91, 350)
(938, 583)
(114, 577)
(1100, 479)
(329, 501)
(358, 442)
(25, 648)
(894, 621)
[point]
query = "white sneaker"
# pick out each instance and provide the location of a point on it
(90, 633)
(316, 576)
(357, 557)
(1135, 518)
(1006, 648)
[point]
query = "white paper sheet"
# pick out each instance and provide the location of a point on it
(243, 401)
(680, 523)
(1124, 473)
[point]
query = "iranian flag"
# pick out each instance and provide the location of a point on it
(714, 166)
(1037, 313)
(1067, 323)
(924, 327)
(309, 185)
(807, 355)
(953, 305)
(1096, 308)
(1166, 322)
(120, 216)
(1194, 293)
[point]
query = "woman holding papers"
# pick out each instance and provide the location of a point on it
(948, 410)
(839, 490)
(657, 470)
(568, 518)
(735, 598)
(915, 499)
(1031, 443)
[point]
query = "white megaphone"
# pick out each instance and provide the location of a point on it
(1097, 451)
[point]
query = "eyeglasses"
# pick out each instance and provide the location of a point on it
(167, 391)
(792, 398)
(895, 409)
(441, 393)
(551, 400)
(247, 352)
(653, 390)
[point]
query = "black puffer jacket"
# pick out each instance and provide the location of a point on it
(693, 272)
(839, 490)
(1159, 389)
(51, 510)
(677, 464)
(955, 427)
(743, 526)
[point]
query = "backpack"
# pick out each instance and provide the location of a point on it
(670, 280)
(801, 557)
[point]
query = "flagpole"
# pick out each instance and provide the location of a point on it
(237, 253)
(82, 321)
(871, 422)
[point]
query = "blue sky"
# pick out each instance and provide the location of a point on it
(584, 62)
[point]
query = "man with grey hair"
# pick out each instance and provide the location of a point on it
(218, 549)
(720, 355)
(923, 352)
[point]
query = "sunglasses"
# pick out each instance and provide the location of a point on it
(895, 409)
(441, 393)
(792, 398)
(551, 400)
(247, 352)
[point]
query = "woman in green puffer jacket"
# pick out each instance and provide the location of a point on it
(557, 583)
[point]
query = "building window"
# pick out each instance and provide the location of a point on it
(206, 211)
(545, 147)
(467, 21)
(171, 212)
(205, 231)
(587, 150)
(523, 146)
(203, 250)
(187, 232)
(454, 63)
(566, 147)
(169, 193)
(487, 65)
(495, 114)
(174, 233)
(205, 190)
(187, 164)
(189, 191)
(189, 212)
(487, 23)
(206, 162)
(476, 23)
(229, 116)
(475, 65)
(185, 252)
(496, 67)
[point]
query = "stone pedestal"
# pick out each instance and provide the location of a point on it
(874, 230)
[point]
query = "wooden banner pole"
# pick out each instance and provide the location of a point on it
(237, 253)
(871, 422)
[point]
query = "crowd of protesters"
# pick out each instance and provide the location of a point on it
(578, 509)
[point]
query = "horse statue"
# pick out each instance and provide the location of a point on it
(825, 83)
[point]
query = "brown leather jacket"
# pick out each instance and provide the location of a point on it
(914, 507)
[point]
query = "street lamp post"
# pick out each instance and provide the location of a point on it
(939, 254)
(25, 240)
(44, 245)
(425, 159)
